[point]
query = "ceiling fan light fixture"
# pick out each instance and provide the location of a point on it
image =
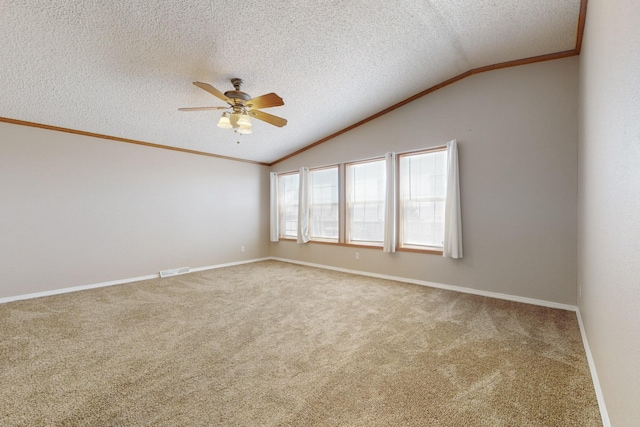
(224, 122)
(245, 130)
(240, 106)
(243, 121)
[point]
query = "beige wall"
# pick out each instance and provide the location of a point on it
(517, 135)
(77, 210)
(609, 202)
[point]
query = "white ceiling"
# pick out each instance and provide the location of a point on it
(123, 68)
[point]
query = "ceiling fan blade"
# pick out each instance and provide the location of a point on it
(212, 90)
(202, 108)
(264, 101)
(269, 118)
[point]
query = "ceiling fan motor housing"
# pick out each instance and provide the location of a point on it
(237, 93)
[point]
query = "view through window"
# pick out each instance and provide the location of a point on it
(423, 186)
(323, 206)
(288, 204)
(365, 201)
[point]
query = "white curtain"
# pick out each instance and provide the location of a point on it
(274, 232)
(452, 214)
(390, 203)
(303, 206)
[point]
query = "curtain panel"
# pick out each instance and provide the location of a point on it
(452, 213)
(274, 220)
(389, 242)
(303, 206)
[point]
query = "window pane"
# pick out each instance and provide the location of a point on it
(288, 204)
(423, 186)
(366, 201)
(323, 203)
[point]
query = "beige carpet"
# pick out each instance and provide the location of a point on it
(275, 344)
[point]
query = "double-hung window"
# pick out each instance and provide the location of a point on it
(419, 208)
(288, 185)
(423, 186)
(323, 204)
(365, 189)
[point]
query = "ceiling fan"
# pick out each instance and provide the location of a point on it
(241, 106)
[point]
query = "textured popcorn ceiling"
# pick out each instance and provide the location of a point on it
(123, 68)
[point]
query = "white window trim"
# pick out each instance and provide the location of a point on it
(348, 205)
(401, 244)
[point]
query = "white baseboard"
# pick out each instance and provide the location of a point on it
(327, 267)
(462, 289)
(115, 282)
(230, 264)
(76, 288)
(594, 374)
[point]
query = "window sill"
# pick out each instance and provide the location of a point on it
(433, 251)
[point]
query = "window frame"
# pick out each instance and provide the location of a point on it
(325, 239)
(281, 207)
(401, 246)
(348, 203)
(344, 204)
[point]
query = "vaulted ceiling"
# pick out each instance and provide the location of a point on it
(122, 68)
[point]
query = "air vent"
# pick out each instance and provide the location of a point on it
(174, 272)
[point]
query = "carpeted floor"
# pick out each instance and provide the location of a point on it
(276, 344)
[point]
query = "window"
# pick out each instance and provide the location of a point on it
(323, 204)
(288, 204)
(346, 205)
(365, 188)
(423, 186)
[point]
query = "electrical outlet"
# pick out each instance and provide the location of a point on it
(579, 291)
(357, 255)
(241, 248)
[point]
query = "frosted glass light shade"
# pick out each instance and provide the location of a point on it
(245, 130)
(224, 122)
(243, 120)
